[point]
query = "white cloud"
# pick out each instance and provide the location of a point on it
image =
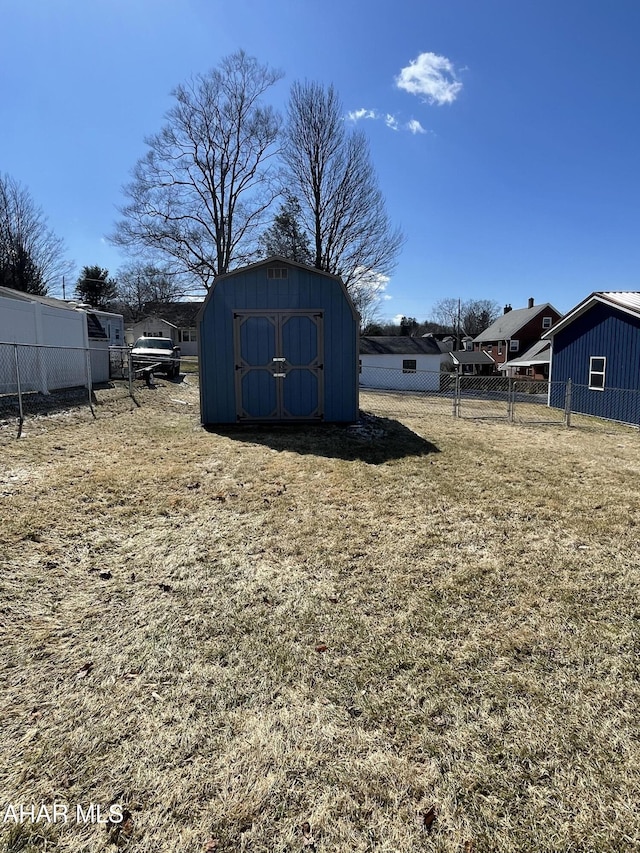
(396, 320)
(390, 120)
(431, 76)
(356, 115)
(370, 281)
(414, 126)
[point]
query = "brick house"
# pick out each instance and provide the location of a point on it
(516, 331)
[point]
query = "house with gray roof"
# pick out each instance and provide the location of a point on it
(516, 331)
(472, 363)
(174, 320)
(401, 363)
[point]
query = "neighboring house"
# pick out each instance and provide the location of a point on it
(401, 363)
(152, 326)
(470, 363)
(533, 364)
(48, 322)
(597, 346)
(113, 325)
(175, 320)
(516, 331)
(278, 342)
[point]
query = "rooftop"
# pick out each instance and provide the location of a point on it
(398, 345)
(625, 300)
(507, 325)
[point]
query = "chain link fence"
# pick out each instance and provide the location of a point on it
(38, 380)
(394, 392)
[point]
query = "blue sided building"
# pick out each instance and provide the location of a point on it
(597, 346)
(278, 342)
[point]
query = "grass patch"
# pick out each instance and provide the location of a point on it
(233, 634)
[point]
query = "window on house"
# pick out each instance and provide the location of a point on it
(514, 346)
(360, 365)
(117, 334)
(597, 369)
(499, 347)
(186, 335)
(277, 272)
(547, 322)
(409, 365)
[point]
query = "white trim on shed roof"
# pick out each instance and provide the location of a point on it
(624, 300)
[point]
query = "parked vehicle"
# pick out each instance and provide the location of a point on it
(159, 353)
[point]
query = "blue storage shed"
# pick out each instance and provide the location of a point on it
(278, 342)
(597, 346)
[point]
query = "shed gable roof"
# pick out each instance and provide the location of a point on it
(281, 261)
(627, 301)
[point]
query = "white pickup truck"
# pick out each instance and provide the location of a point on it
(159, 353)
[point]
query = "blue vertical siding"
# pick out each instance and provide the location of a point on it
(303, 289)
(602, 331)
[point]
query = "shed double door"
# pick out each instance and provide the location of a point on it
(278, 365)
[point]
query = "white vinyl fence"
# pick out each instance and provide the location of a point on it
(35, 378)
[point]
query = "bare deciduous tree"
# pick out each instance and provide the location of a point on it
(139, 284)
(469, 317)
(200, 193)
(478, 315)
(330, 171)
(32, 258)
(367, 293)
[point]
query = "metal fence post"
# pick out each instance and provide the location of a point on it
(456, 397)
(510, 400)
(89, 384)
(19, 388)
(567, 404)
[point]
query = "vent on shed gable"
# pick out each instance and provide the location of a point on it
(277, 272)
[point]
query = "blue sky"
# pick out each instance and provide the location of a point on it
(510, 158)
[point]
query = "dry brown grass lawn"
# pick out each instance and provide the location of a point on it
(232, 634)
